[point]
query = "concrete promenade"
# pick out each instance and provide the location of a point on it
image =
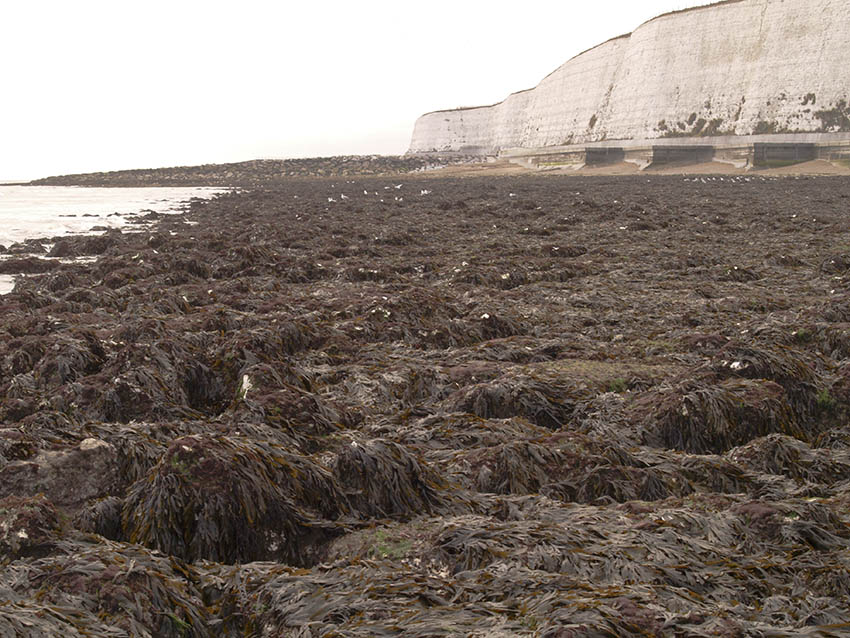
(745, 151)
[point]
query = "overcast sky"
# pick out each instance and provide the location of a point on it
(105, 85)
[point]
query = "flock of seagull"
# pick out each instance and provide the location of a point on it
(424, 192)
(342, 196)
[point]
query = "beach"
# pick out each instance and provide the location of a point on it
(483, 405)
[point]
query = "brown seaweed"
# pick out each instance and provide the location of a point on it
(539, 406)
(231, 500)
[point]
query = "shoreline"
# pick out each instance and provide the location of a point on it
(278, 173)
(27, 248)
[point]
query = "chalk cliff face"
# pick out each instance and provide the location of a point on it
(739, 67)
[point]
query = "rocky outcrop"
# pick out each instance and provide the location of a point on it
(739, 67)
(257, 172)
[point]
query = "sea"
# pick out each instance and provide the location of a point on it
(32, 212)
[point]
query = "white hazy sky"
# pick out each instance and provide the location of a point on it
(96, 85)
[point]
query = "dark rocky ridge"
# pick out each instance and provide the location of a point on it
(258, 172)
(527, 406)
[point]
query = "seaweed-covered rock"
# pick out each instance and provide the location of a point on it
(102, 589)
(439, 433)
(783, 455)
(384, 479)
(17, 445)
(618, 484)
(70, 359)
(156, 380)
(26, 265)
(232, 499)
(516, 468)
(266, 396)
(69, 476)
(543, 404)
(29, 526)
(796, 372)
(86, 244)
(715, 417)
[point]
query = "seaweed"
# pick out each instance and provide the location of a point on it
(543, 404)
(103, 589)
(797, 373)
(713, 418)
(29, 527)
(510, 406)
(384, 479)
(782, 455)
(231, 499)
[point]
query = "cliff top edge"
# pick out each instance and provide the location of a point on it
(711, 5)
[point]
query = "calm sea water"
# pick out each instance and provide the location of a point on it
(29, 212)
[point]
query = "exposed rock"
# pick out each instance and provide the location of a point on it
(68, 476)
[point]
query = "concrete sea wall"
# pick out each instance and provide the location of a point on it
(740, 67)
(740, 151)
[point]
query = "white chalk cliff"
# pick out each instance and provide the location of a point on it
(739, 67)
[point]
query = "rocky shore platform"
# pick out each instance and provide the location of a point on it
(535, 405)
(265, 172)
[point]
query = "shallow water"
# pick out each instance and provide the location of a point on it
(28, 212)
(47, 211)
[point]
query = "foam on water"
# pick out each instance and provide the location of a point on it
(7, 282)
(29, 212)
